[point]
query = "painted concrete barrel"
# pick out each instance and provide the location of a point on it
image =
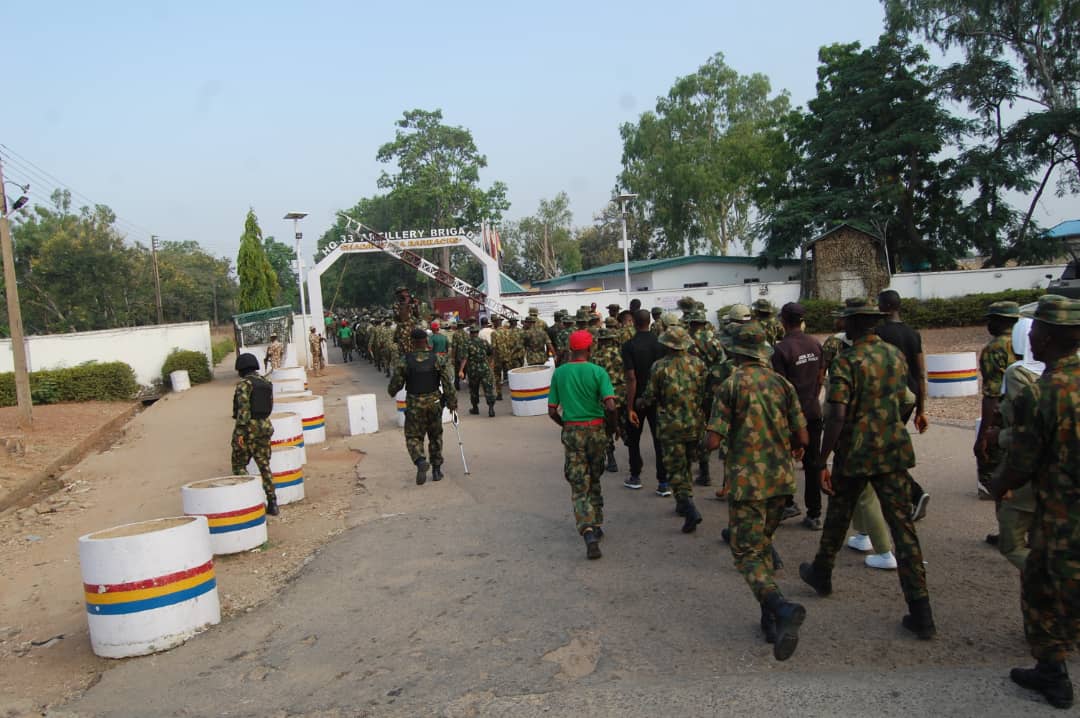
(399, 401)
(235, 511)
(179, 380)
(288, 473)
(952, 374)
(529, 390)
(148, 586)
(288, 431)
(292, 394)
(288, 386)
(289, 373)
(310, 409)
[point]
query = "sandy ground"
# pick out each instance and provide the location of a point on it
(44, 642)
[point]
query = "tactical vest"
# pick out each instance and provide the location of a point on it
(421, 376)
(262, 397)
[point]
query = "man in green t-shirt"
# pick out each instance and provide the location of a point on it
(438, 341)
(584, 393)
(345, 341)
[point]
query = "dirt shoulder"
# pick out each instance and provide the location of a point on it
(45, 653)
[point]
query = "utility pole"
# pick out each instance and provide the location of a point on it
(157, 279)
(14, 312)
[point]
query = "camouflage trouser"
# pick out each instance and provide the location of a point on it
(316, 360)
(500, 373)
(678, 454)
(1016, 517)
(475, 381)
(994, 456)
(752, 525)
(894, 493)
(584, 465)
(256, 446)
(702, 452)
(536, 357)
(1049, 597)
(423, 417)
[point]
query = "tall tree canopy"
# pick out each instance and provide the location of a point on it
(869, 149)
(697, 158)
(258, 282)
(281, 257)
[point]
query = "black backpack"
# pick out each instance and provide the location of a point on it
(262, 398)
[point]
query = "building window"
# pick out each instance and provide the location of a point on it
(751, 280)
(641, 289)
(691, 285)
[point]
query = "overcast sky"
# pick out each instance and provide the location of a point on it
(180, 116)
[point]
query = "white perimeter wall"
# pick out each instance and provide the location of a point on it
(142, 348)
(942, 285)
(673, 278)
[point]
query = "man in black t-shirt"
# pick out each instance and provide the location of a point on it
(638, 355)
(797, 358)
(909, 342)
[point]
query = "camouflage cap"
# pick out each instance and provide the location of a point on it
(614, 306)
(611, 323)
(567, 318)
(473, 329)
(685, 303)
(675, 337)
(607, 333)
(657, 311)
(534, 311)
(861, 306)
(670, 319)
(749, 341)
(1057, 310)
(696, 317)
(1004, 309)
(582, 316)
(763, 306)
(739, 313)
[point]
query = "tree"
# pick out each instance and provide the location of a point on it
(281, 257)
(1043, 35)
(258, 283)
(599, 244)
(543, 245)
(437, 182)
(869, 150)
(194, 284)
(696, 159)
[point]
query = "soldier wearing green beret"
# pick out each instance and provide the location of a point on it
(1046, 453)
(994, 359)
(758, 424)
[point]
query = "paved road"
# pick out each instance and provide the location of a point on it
(472, 597)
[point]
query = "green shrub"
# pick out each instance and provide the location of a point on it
(222, 348)
(109, 381)
(196, 364)
(965, 311)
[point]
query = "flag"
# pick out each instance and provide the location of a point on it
(498, 243)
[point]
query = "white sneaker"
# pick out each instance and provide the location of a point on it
(884, 561)
(860, 542)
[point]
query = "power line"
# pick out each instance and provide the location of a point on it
(28, 168)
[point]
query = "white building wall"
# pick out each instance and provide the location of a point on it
(941, 285)
(143, 348)
(718, 275)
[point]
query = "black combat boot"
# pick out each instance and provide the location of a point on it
(475, 409)
(789, 617)
(1050, 678)
(491, 409)
(920, 620)
(436, 473)
(680, 506)
(703, 478)
(768, 624)
(271, 505)
(817, 580)
(592, 544)
(612, 467)
(692, 519)
(421, 470)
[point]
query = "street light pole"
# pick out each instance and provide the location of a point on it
(296, 217)
(623, 199)
(14, 312)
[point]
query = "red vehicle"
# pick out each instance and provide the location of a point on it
(460, 307)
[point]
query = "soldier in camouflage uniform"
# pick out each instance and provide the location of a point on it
(677, 388)
(757, 422)
(251, 436)
(553, 331)
(562, 339)
(406, 316)
(685, 305)
(275, 354)
(477, 365)
(315, 349)
(586, 398)
(626, 330)
(1046, 454)
(609, 358)
(864, 425)
(540, 323)
(657, 327)
(500, 347)
(458, 343)
(765, 315)
(994, 359)
(423, 373)
(708, 349)
(515, 337)
(535, 343)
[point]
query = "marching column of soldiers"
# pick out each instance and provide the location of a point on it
(750, 390)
